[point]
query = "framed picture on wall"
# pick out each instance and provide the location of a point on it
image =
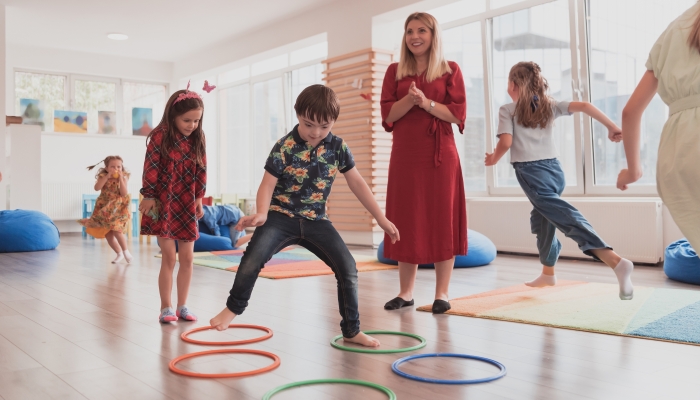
(107, 122)
(141, 121)
(32, 112)
(70, 121)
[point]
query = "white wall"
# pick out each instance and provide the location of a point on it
(65, 179)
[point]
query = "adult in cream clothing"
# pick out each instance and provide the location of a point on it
(674, 72)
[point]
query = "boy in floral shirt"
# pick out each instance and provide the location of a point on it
(299, 174)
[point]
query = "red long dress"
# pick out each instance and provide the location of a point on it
(176, 182)
(425, 195)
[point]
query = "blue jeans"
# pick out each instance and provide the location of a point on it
(543, 183)
(319, 237)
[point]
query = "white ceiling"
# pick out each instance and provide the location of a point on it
(165, 30)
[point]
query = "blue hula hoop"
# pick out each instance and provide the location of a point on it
(501, 374)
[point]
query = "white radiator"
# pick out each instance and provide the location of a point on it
(633, 227)
(64, 201)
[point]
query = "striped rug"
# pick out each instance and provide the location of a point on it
(654, 313)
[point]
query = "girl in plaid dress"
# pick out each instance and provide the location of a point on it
(174, 182)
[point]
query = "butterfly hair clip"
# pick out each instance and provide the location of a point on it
(208, 88)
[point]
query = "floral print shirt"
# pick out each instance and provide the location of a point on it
(305, 174)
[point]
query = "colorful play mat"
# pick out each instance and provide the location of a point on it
(292, 262)
(654, 313)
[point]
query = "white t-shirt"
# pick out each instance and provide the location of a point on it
(529, 144)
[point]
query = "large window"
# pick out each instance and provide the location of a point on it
(256, 108)
(299, 79)
(589, 50)
(269, 126)
(234, 120)
(49, 89)
(94, 96)
(620, 41)
(540, 34)
(87, 94)
(462, 44)
(142, 95)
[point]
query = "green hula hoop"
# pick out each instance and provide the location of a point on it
(387, 351)
(386, 390)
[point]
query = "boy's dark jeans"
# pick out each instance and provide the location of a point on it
(319, 237)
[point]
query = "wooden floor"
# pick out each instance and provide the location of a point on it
(74, 326)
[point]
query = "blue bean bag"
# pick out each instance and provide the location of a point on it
(481, 251)
(681, 263)
(209, 242)
(26, 230)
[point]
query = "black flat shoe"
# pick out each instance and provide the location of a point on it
(396, 303)
(440, 306)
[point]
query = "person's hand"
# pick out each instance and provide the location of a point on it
(146, 205)
(625, 178)
(615, 134)
(251, 220)
(390, 229)
(199, 209)
(0, 176)
(418, 96)
(490, 159)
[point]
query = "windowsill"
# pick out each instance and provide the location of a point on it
(94, 135)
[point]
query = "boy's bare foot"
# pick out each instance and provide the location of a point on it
(222, 320)
(363, 340)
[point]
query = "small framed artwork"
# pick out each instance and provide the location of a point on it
(32, 112)
(107, 122)
(70, 121)
(141, 121)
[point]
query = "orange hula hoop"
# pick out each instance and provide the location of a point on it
(270, 367)
(185, 335)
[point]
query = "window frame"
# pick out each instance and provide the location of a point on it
(580, 83)
(285, 75)
(69, 91)
(589, 161)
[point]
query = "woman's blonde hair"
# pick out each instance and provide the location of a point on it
(694, 37)
(534, 106)
(437, 65)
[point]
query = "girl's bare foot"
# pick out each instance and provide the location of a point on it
(222, 320)
(363, 340)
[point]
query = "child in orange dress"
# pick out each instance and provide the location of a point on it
(111, 214)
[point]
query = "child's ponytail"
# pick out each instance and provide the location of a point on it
(106, 162)
(694, 37)
(534, 106)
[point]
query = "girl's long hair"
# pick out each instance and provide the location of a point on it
(694, 37)
(106, 162)
(534, 106)
(167, 123)
(437, 65)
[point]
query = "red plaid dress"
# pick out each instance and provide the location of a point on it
(175, 182)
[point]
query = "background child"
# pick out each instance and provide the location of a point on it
(673, 70)
(216, 217)
(112, 213)
(526, 125)
(174, 182)
(298, 177)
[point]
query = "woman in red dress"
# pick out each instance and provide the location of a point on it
(422, 96)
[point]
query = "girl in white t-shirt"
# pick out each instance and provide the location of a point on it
(525, 127)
